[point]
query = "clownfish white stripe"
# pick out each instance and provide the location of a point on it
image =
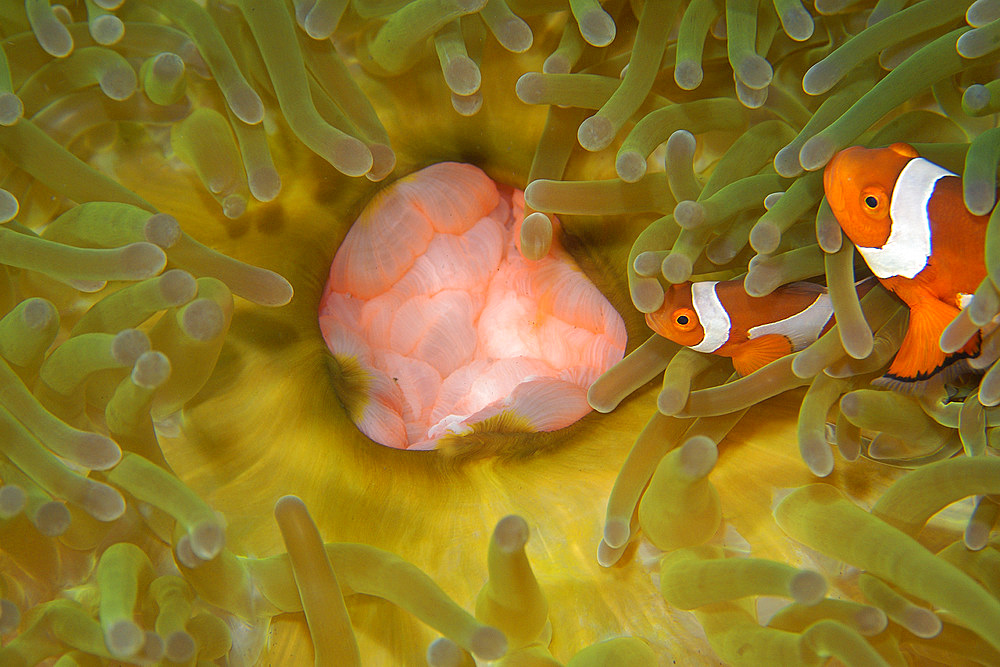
(802, 328)
(712, 315)
(906, 251)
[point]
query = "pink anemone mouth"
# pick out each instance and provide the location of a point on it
(445, 329)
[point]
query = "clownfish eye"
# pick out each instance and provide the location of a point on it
(684, 319)
(874, 202)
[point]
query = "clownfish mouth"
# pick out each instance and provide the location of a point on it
(442, 328)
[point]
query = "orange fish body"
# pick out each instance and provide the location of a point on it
(721, 318)
(907, 218)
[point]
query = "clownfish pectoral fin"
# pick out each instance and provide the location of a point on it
(759, 352)
(920, 354)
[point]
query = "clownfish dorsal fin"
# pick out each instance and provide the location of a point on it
(802, 288)
(906, 150)
(920, 354)
(759, 352)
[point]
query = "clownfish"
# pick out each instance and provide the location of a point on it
(721, 318)
(907, 218)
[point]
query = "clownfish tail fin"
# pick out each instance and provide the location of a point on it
(920, 355)
(956, 368)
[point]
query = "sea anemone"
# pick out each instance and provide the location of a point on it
(183, 480)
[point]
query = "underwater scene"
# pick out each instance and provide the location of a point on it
(499, 332)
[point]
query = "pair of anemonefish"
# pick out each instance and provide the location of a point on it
(907, 218)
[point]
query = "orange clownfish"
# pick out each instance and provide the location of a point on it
(721, 318)
(907, 218)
